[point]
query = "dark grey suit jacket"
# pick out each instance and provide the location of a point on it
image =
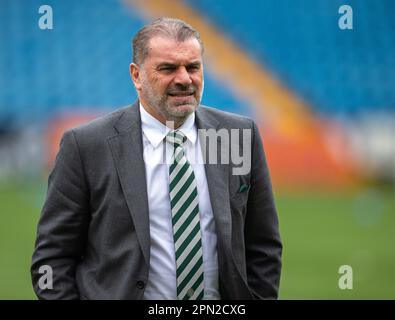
(94, 227)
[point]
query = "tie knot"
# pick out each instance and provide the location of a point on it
(176, 138)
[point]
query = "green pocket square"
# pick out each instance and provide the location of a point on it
(243, 187)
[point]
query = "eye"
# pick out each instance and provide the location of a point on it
(167, 69)
(193, 68)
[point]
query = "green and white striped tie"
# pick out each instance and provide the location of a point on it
(186, 222)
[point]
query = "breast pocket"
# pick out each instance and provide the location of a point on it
(239, 188)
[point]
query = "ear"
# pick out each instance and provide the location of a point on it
(135, 74)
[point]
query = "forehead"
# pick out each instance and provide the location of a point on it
(161, 49)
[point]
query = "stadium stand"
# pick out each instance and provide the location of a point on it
(82, 64)
(339, 74)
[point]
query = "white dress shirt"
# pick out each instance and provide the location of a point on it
(162, 283)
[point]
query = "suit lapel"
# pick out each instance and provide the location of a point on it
(127, 150)
(217, 176)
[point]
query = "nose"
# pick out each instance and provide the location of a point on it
(182, 76)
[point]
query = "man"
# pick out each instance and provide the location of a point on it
(122, 222)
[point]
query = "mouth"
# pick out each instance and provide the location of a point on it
(181, 93)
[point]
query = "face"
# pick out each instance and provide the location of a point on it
(170, 80)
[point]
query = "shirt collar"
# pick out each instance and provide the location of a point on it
(155, 131)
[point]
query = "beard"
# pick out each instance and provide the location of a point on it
(172, 105)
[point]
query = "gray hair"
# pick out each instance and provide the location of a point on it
(167, 27)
